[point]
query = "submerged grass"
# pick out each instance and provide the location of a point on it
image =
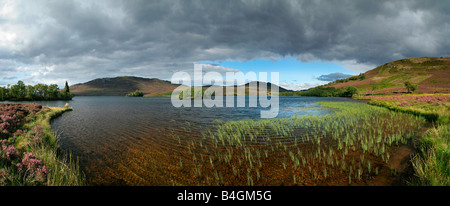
(350, 146)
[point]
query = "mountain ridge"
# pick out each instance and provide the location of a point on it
(122, 85)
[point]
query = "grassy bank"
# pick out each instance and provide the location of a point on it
(434, 107)
(29, 148)
(353, 146)
(432, 162)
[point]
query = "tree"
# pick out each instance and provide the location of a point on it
(66, 89)
(20, 91)
(353, 78)
(65, 93)
(362, 76)
(2, 94)
(410, 87)
(30, 92)
(17, 91)
(350, 91)
(53, 91)
(41, 90)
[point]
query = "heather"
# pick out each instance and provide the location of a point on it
(11, 116)
(434, 107)
(29, 153)
(424, 75)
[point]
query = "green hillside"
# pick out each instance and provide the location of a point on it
(430, 74)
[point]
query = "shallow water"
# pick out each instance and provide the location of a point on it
(126, 141)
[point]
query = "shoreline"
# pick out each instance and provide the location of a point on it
(430, 160)
(416, 155)
(31, 154)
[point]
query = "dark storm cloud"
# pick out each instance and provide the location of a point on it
(81, 40)
(333, 76)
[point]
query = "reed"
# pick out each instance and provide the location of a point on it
(343, 146)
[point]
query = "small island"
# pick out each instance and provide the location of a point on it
(137, 93)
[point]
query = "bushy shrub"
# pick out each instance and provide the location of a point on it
(137, 93)
(322, 91)
(410, 87)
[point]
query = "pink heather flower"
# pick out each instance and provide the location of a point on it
(38, 131)
(33, 167)
(37, 134)
(3, 142)
(10, 153)
(4, 145)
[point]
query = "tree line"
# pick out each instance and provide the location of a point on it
(361, 76)
(22, 92)
(322, 91)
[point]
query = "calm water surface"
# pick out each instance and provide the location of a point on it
(126, 141)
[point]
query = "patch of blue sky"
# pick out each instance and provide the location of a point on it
(290, 69)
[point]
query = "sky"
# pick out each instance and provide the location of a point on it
(309, 42)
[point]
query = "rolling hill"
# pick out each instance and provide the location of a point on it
(120, 86)
(431, 74)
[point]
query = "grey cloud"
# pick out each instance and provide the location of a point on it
(333, 76)
(90, 39)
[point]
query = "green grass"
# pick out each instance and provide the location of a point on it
(350, 145)
(62, 170)
(432, 163)
(434, 109)
(430, 113)
(166, 94)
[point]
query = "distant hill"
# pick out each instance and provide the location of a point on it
(431, 74)
(254, 91)
(120, 86)
(269, 86)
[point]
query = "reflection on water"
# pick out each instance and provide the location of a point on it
(127, 141)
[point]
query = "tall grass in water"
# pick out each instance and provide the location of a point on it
(349, 146)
